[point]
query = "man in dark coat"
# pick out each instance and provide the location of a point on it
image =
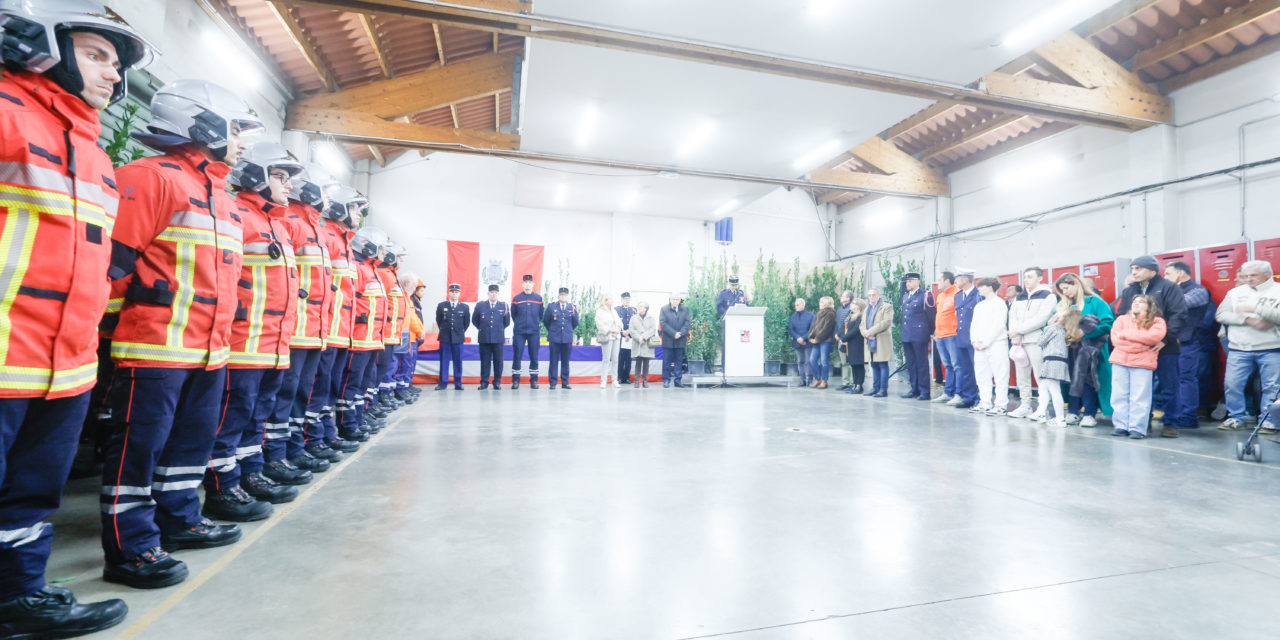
(1145, 279)
(966, 299)
(491, 319)
(915, 337)
(674, 321)
(453, 318)
(625, 313)
(561, 318)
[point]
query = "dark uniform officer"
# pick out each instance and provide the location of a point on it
(626, 312)
(561, 318)
(730, 297)
(915, 337)
(491, 318)
(966, 301)
(453, 318)
(526, 314)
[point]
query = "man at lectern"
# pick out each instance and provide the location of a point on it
(732, 296)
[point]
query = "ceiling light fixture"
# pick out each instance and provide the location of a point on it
(696, 139)
(232, 59)
(587, 124)
(1053, 21)
(817, 156)
(725, 208)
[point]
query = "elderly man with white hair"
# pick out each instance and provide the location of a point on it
(674, 320)
(1250, 313)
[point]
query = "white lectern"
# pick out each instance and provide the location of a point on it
(744, 341)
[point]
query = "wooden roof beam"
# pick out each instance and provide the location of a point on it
(377, 155)
(1205, 32)
(375, 41)
(353, 126)
(435, 30)
(1111, 16)
(415, 92)
(915, 184)
(1142, 106)
(946, 146)
(1084, 64)
(596, 35)
(291, 25)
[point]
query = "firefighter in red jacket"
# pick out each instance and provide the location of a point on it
(309, 339)
(176, 255)
(366, 334)
(383, 400)
(62, 62)
(343, 213)
(236, 487)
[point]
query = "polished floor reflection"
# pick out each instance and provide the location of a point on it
(742, 513)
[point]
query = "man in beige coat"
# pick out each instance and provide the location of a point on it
(877, 329)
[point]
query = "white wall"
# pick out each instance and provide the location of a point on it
(424, 202)
(1097, 162)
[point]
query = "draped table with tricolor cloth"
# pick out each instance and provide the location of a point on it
(584, 364)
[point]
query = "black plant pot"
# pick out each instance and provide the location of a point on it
(772, 367)
(697, 367)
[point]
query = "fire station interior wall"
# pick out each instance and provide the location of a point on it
(1213, 117)
(425, 202)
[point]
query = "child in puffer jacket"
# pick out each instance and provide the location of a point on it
(1134, 336)
(1054, 371)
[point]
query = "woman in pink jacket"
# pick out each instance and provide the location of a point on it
(1136, 337)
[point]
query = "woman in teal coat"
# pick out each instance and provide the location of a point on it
(1076, 292)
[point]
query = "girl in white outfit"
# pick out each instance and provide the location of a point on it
(608, 330)
(989, 332)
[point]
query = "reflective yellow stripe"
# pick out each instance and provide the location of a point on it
(37, 379)
(268, 359)
(184, 293)
(257, 305)
(53, 203)
(138, 351)
(114, 305)
(72, 378)
(16, 239)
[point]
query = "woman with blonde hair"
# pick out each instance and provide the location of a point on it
(821, 334)
(1088, 356)
(608, 331)
(852, 343)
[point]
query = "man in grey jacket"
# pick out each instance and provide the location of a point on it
(1029, 313)
(674, 321)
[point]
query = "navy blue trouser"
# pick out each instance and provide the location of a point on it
(672, 362)
(406, 362)
(490, 359)
(37, 444)
(1167, 377)
(917, 356)
(350, 400)
(559, 355)
(304, 368)
(239, 400)
(450, 352)
(1188, 387)
(370, 383)
(518, 343)
(624, 366)
(385, 383)
(880, 377)
(966, 379)
(163, 426)
(333, 366)
(319, 420)
(250, 453)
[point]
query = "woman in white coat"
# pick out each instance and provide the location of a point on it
(608, 332)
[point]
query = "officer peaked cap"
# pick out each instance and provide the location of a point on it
(564, 289)
(493, 287)
(528, 278)
(455, 287)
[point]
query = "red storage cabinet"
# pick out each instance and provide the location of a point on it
(1056, 272)
(1182, 255)
(1269, 250)
(1218, 267)
(1006, 280)
(1106, 277)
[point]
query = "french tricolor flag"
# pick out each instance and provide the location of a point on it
(476, 264)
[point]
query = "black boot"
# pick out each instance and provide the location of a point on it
(266, 489)
(352, 435)
(151, 569)
(855, 389)
(284, 473)
(515, 382)
(345, 446)
(205, 535)
(308, 462)
(53, 612)
(234, 505)
(533, 381)
(323, 451)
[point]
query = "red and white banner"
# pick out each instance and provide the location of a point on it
(526, 258)
(464, 268)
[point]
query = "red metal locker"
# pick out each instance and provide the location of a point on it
(1269, 250)
(1103, 276)
(1184, 255)
(1218, 267)
(1055, 272)
(1006, 280)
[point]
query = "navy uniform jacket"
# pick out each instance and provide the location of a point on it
(626, 313)
(729, 298)
(491, 321)
(560, 322)
(526, 312)
(915, 317)
(453, 325)
(965, 304)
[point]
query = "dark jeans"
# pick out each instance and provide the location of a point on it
(820, 360)
(1167, 377)
(490, 358)
(880, 377)
(966, 379)
(37, 444)
(947, 352)
(559, 361)
(804, 354)
(1188, 386)
(1088, 402)
(672, 362)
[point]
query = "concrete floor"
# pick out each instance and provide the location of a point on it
(743, 513)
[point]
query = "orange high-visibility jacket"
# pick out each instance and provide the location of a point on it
(944, 324)
(268, 287)
(370, 309)
(179, 302)
(394, 320)
(57, 207)
(337, 242)
(315, 273)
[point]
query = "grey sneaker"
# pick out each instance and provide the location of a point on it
(942, 398)
(1073, 418)
(1231, 424)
